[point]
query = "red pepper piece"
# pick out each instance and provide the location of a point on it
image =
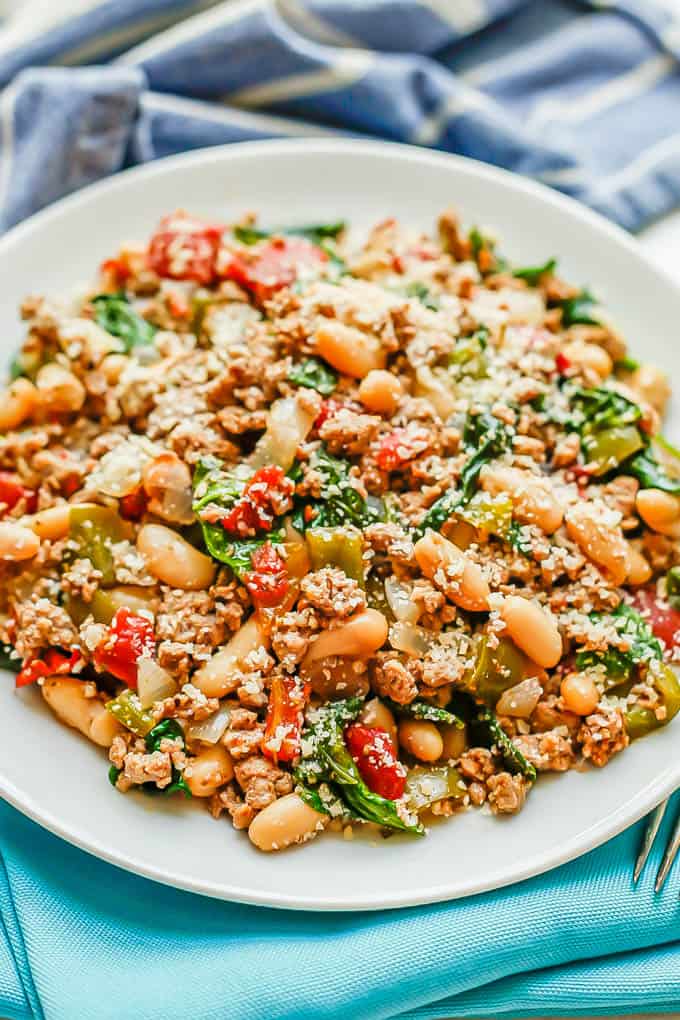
(185, 248)
(11, 491)
(376, 758)
(129, 638)
(51, 663)
(133, 506)
(277, 264)
(659, 614)
(400, 446)
(266, 496)
(285, 717)
(562, 363)
(268, 581)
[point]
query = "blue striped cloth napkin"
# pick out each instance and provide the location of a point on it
(582, 96)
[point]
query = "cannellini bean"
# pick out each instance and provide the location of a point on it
(17, 403)
(593, 530)
(209, 770)
(533, 629)
(454, 741)
(349, 350)
(380, 391)
(420, 738)
(639, 570)
(167, 483)
(589, 356)
(220, 674)
(376, 713)
(660, 511)
(59, 389)
(359, 637)
(172, 560)
(113, 366)
(17, 542)
(54, 522)
(288, 820)
(653, 385)
(466, 584)
(532, 496)
(579, 693)
(66, 696)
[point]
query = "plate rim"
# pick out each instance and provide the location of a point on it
(590, 838)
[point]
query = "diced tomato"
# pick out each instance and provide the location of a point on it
(178, 306)
(11, 491)
(268, 581)
(133, 506)
(51, 663)
(117, 270)
(185, 248)
(661, 617)
(375, 755)
(266, 496)
(562, 363)
(274, 265)
(400, 446)
(285, 716)
(130, 637)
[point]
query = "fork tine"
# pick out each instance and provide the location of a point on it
(653, 824)
(669, 857)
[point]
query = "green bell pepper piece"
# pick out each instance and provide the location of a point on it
(496, 670)
(425, 785)
(127, 709)
(337, 547)
(486, 513)
(95, 529)
(640, 721)
(608, 448)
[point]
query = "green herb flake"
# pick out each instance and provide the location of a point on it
(115, 314)
(315, 375)
(578, 310)
(533, 274)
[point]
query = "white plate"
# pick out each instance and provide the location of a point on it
(58, 779)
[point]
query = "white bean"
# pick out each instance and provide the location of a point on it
(422, 739)
(17, 542)
(533, 629)
(66, 696)
(288, 820)
(209, 770)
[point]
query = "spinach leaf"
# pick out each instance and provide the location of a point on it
(7, 661)
(115, 314)
(626, 364)
(167, 729)
(600, 408)
(315, 232)
(491, 438)
(578, 310)
(649, 473)
(494, 733)
(421, 291)
(673, 587)
(516, 538)
(644, 647)
(326, 760)
(338, 503)
(424, 710)
(533, 274)
(315, 375)
(113, 775)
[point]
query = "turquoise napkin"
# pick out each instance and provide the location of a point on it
(82, 939)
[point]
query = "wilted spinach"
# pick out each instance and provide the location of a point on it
(618, 664)
(115, 314)
(533, 274)
(315, 375)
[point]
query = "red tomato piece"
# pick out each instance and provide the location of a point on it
(130, 637)
(562, 363)
(133, 506)
(11, 491)
(266, 496)
(52, 662)
(117, 269)
(268, 581)
(400, 446)
(274, 265)
(376, 758)
(329, 407)
(285, 717)
(659, 614)
(185, 248)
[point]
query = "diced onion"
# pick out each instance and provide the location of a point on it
(153, 682)
(436, 390)
(520, 701)
(288, 426)
(119, 472)
(405, 637)
(210, 730)
(400, 601)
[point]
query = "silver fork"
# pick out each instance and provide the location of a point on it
(651, 831)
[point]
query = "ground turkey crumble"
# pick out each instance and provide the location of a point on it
(285, 502)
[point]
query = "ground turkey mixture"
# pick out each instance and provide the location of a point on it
(327, 531)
